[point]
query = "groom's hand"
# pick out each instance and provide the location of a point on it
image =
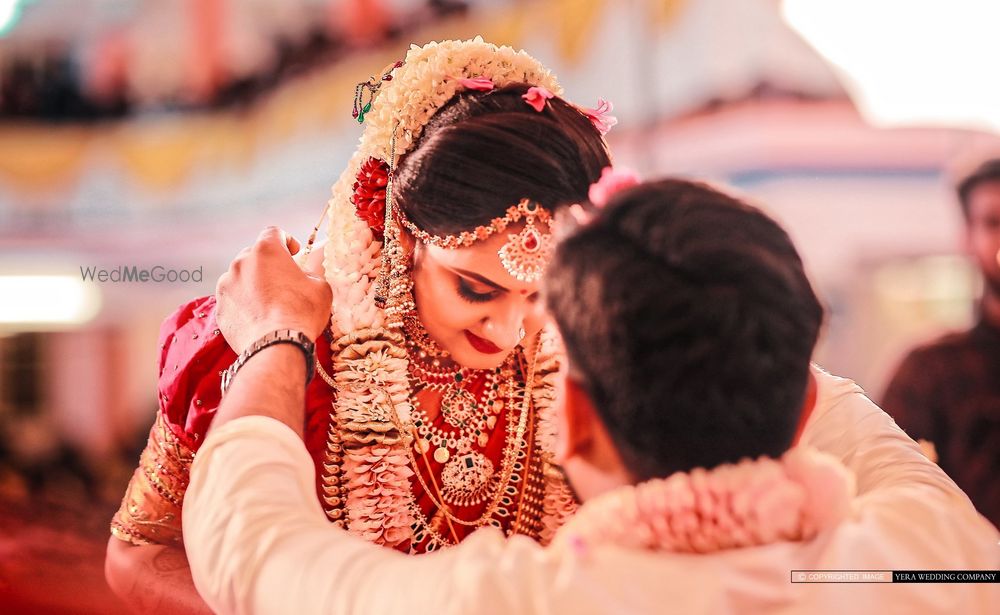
(265, 290)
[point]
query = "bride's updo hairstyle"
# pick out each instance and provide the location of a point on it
(481, 153)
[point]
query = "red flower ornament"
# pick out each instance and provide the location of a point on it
(369, 195)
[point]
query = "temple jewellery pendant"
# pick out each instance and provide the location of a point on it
(466, 478)
(458, 406)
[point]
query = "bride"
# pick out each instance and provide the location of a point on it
(430, 417)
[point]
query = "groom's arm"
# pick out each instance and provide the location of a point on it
(258, 540)
(256, 536)
(287, 305)
(271, 384)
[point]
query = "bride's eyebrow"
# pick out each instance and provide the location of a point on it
(481, 279)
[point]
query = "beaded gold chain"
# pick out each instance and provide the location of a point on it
(510, 458)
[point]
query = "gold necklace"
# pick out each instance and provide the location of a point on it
(504, 492)
(416, 334)
(467, 474)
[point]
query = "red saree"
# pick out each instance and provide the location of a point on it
(193, 353)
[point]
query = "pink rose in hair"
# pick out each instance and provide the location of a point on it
(537, 96)
(612, 180)
(601, 117)
(478, 84)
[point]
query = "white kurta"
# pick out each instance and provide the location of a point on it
(258, 542)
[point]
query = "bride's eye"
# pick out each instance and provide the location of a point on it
(472, 296)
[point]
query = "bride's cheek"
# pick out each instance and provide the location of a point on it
(537, 318)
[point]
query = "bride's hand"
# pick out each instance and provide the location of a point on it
(265, 290)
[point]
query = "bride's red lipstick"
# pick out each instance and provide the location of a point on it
(483, 346)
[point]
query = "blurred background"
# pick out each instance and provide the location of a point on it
(167, 133)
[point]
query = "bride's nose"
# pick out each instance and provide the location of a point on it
(505, 328)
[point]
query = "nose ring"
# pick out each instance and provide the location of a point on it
(521, 333)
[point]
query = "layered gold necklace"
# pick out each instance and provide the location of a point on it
(468, 423)
(468, 477)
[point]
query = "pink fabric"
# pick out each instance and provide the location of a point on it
(192, 355)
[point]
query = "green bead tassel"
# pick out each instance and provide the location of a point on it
(364, 110)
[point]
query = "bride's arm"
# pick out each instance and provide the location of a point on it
(145, 561)
(152, 578)
(145, 564)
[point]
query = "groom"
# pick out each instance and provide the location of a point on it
(689, 325)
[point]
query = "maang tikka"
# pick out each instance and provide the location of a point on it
(524, 255)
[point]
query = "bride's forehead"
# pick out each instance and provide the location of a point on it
(481, 258)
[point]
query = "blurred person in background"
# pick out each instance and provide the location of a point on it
(436, 321)
(947, 392)
(686, 425)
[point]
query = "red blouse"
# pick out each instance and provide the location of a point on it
(193, 355)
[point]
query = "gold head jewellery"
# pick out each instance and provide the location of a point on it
(524, 255)
(395, 286)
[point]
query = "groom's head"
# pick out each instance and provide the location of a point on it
(689, 324)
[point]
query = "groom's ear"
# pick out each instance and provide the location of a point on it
(576, 420)
(808, 405)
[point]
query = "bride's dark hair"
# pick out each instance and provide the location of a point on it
(483, 152)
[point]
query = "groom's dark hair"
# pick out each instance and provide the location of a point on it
(688, 318)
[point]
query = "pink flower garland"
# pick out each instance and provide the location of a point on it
(732, 506)
(373, 494)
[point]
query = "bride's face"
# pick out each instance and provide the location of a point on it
(470, 305)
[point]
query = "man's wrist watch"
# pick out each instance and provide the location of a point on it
(281, 336)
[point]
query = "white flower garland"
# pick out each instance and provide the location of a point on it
(372, 481)
(750, 503)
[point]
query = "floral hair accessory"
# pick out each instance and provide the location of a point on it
(612, 180)
(537, 96)
(601, 117)
(478, 84)
(421, 86)
(366, 91)
(369, 195)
